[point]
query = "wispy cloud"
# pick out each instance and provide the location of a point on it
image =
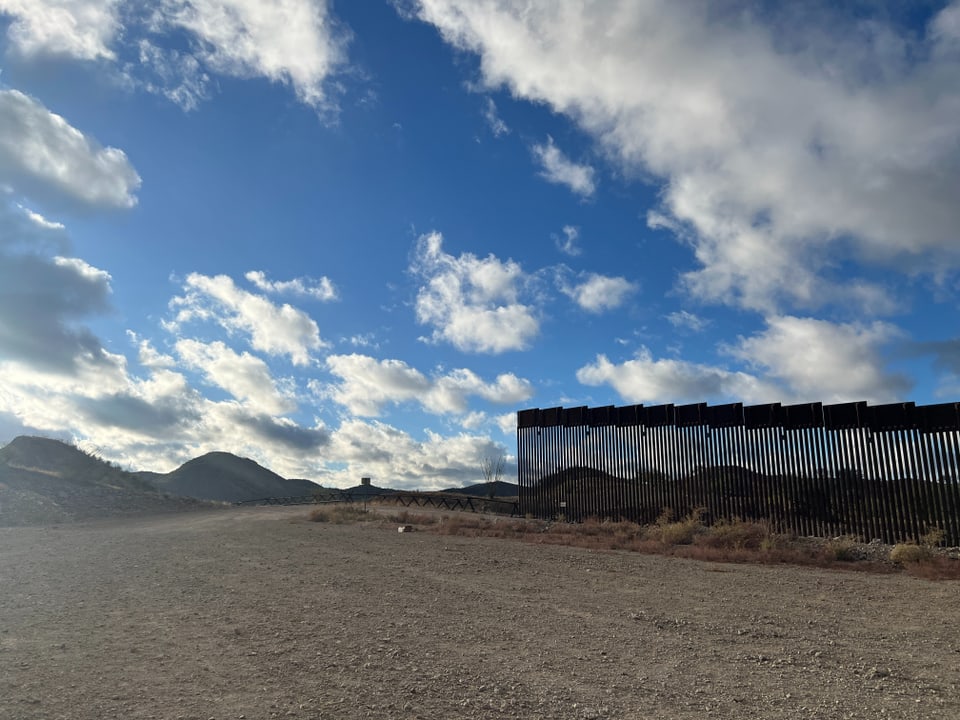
(684, 320)
(321, 289)
(568, 243)
(497, 126)
(557, 168)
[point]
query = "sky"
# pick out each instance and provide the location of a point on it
(353, 239)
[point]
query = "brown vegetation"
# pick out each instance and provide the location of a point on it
(687, 537)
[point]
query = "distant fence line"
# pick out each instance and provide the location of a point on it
(875, 471)
(446, 501)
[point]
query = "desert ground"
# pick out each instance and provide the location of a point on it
(259, 613)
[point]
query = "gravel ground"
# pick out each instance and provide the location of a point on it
(257, 613)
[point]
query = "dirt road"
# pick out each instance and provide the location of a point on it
(256, 613)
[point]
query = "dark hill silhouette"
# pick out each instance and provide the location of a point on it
(501, 488)
(228, 478)
(44, 481)
(361, 490)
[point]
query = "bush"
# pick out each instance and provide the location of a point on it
(736, 535)
(337, 514)
(906, 553)
(842, 548)
(681, 532)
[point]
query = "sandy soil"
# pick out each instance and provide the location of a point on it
(256, 613)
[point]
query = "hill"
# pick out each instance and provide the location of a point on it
(228, 478)
(500, 489)
(48, 481)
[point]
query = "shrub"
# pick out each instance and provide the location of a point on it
(735, 535)
(337, 514)
(934, 537)
(681, 532)
(906, 553)
(842, 548)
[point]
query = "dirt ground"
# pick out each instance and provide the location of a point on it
(257, 613)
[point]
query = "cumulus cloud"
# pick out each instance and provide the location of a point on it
(243, 375)
(297, 43)
(795, 360)
(319, 289)
(41, 302)
(273, 329)
(820, 360)
(393, 458)
(596, 293)
(81, 29)
(647, 380)
(780, 155)
(472, 303)
(557, 168)
(367, 385)
(293, 42)
(46, 158)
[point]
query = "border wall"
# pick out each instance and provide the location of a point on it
(874, 471)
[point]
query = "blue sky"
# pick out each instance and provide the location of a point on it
(351, 239)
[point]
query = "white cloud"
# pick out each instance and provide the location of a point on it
(273, 329)
(472, 303)
(497, 126)
(319, 289)
(41, 221)
(683, 319)
(785, 144)
(647, 380)
(41, 300)
(797, 359)
(243, 375)
(293, 42)
(820, 360)
(176, 75)
(568, 243)
(44, 157)
(81, 29)
(507, 422)
(395, 459)
(557, 168)
(596, 293)
(367, 384)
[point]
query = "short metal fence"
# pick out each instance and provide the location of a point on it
(440, 501)
(873, 471)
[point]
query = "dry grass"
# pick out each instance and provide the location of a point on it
(338, 514)
(842, 548)
(726, 541)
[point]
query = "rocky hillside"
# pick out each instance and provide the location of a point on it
(48, 481)
(228, 478)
